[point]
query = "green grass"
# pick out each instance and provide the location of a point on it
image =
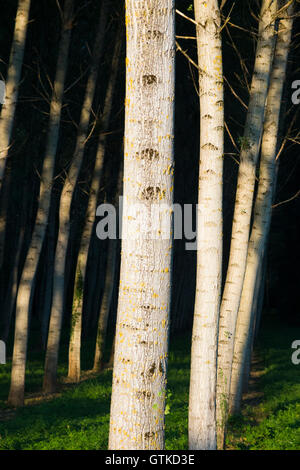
(79, 417)
(274, 422)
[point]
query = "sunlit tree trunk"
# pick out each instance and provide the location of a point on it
(11, 98)
(76, 321)
(262, 209)
(141, 344)
(59, 276)
(250, 145)
(202, 404)
(16, 394)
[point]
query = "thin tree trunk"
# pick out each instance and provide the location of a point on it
(9, 107)
(76, 321)
(110, 363)
(16, 394)
(108, 287)
(260, 301)
(10, 297)
(202, 404)
(141, 348)
(59, 279)
(48, 289)
(105, 306)
(243, 209)
(263, 209)
(258, 291)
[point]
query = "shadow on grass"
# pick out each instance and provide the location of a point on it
(78, 419)
(272, 422)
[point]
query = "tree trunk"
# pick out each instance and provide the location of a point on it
(261, 296)
(56, 316)
(16, 394)
(202, 404)
(9, 107)
(76, 322)
(110, 363)
(108, 286)
(243, 209)
(48, 278)
(256, 306)
(262, 210)
(141, 347)
(10, 297)
(105, 306)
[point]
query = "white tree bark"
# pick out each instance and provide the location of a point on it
(243, 209)
(11, 98)
(16, 394)
(76, 326)
(202, 405)
(12, 81)
(141, 344)
(262, 210)
(64, 212)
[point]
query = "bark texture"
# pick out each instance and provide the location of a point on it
(141, 344)
(250, 145)
(202, 408)
(262, 209)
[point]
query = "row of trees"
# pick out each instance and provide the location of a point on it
(23, 287)
(227, 308)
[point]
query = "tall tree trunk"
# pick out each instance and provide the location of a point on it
(243, 209)
(76, 321)
(141, 347)
(59, 278)
(202, 404)
(262, 210)
(9, 107)
(16, 394)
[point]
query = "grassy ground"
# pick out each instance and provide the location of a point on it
(270, 418)
(78, 416)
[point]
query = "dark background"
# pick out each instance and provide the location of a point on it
(20, 191)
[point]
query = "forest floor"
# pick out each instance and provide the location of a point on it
(77, 416)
